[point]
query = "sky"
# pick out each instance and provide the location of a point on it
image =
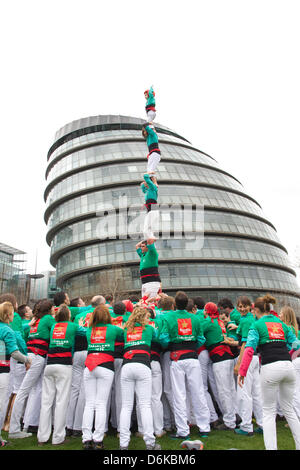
(226, 76)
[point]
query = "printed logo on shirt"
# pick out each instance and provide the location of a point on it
(184, 326)
(98, 334)
(221, 324)
(275, 331)
(135, 334)
(33, 328)
(59, 331)
(118, 321)
(87, 319)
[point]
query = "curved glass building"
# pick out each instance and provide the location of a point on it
(94, 170)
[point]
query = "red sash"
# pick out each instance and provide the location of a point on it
(175, 355)
(95, 359)
(133, 352)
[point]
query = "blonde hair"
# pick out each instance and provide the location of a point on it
(289, 317)
(6, 308)
(139, 315)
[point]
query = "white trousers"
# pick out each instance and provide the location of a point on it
(56, 387)
(156, 403)
(250, 398)
(77, 379)
(153, 161)
(151, 224)
(33, 406)
(136, 378)
(296, 401)
(204, 361)
(4, 380)
(187, 373)
(97, 385)
(279, 377)
(224, 377)
(16, 376)
(31, 378)
(150, 288)
(167, 398)
(116, 402)
(151, 115)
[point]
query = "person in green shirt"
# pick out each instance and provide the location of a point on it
(154, 154)
(277, 375)
(149, 274)
(136, 377)
(37, 345)
(150, 104)
(249, 397)
(225, 305)
(182, 332)
(102, 336)
(57, 377)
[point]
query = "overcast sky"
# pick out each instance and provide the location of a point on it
(226, 75)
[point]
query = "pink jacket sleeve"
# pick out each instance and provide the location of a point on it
(247, 358)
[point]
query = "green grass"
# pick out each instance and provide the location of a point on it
(217, 440)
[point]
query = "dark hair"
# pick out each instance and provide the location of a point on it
(225, 303)
(59, 298)
(199, 302)
(75, 302)
(119, 308)
(9, 298)
(181, 300)
(43, 308)
(244, 300)
(63, 313)
(134, 298)
(263, 303)
(151, 312)
(190, 305)
(22, 310)
(109, 298)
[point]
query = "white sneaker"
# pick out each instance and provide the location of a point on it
(195, 445)
(154, 447)
(19, 435)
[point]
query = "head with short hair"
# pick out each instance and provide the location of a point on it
(63, 313)
(243, 304)
(100, 315)
(181, 300)
(97, 300)
(199, 302)
(133, 298)
(24, 311)
(167, 303)
(225, 304)
(61, 298)
(6, 312)
(191, 307)
(119, 308)
(109, 298)
(77, 302)
(9, 298)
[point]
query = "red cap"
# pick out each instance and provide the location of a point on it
(211, 308)
(128, 304)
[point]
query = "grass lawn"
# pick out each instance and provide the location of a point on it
(217, 440)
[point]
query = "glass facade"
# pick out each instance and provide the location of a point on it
(96, 164)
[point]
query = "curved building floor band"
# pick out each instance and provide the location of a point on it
(214, 239)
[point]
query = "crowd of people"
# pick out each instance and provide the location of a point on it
(151, 365)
